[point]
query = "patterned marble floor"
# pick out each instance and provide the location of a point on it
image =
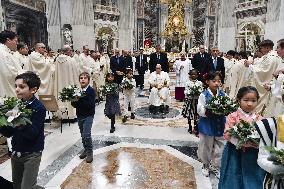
(142, 153)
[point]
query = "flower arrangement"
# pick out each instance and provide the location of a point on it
(109, 88)
(71, 93)
(194, 90)
(221, 105)
(276, 155)
(127, 85)
(244, 132)
(13, 112)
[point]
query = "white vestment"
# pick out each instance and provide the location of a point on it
(64, 64)
(182, 69)
(228, 64)
(23, 60)
(98, 75)
(129, 96)
(9, 69)
(262, 73)
(45, 69)
(160, 93)
(86, 63)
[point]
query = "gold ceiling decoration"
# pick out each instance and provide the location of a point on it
(174, 1)
(175, 25)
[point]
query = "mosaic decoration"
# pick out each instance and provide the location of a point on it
(151, 20)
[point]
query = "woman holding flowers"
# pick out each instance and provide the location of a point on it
(239, 169)
(111, 92)
(193, 88)
(211, 126)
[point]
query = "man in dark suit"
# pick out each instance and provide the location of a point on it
(117, 66)
(141, 66)
(127, 59)
(159, 58)
(201, 62)
(217, 63)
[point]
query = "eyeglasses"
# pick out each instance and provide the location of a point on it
(42, 47)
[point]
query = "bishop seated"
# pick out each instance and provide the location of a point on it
(159, 96)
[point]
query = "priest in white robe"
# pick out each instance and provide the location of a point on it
(63, 77)
(9, 66)
(229, 62)
(86, 61)
(262, 73)
(182, 68)
(159, 98)
(22, 56)
(45, 69)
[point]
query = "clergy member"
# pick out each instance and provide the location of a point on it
(45, 69)
(159, 98)
(64, 64)
(9, 66)
(182, 68)
(22, 56)
(86, 60)
(262, 73)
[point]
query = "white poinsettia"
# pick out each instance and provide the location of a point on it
(2, 100)
(13, 114)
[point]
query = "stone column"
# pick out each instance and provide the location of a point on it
(188, 21)
(2, 22)
(227, 25)
(164, 13)
(274, 19)
(126, 24)
(53, 21)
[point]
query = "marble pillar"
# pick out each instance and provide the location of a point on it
(126, 25)
(227, 25)
(274, 20)
(53, 21)
(188, 21)
(164, 11)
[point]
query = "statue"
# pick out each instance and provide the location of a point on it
(67, 36)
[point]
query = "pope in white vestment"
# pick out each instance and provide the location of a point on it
(44, 68)
(160, 94)
(9, 69)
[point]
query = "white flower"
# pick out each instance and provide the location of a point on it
(254, 134)
(2, 100)
(77, 92)
(229, 102)
(216, 102)
(235, 128)
(13, 114)
(69, 87)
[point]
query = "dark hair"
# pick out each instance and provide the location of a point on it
(85, 74)
(107, 75)
(20, 46)
(245, 90)
(243, 55)
(281, 43)
(128, 70)
(266, 43)
(193, 70)
(231, 52)
(211, 75)
(5, 35)
(30, 78)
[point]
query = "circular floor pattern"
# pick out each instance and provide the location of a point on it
(144, 112)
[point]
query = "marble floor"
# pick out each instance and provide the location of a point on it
(147, 152)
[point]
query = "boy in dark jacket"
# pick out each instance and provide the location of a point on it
(27, 140)
(85, 110)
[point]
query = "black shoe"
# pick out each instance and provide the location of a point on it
(112, 130)
(83, 155)
(189, 130)
(167, 109)
(89, 158)
(132, 116)
(156, 110)
(151, 109)
(162, 109)
(124, 119)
